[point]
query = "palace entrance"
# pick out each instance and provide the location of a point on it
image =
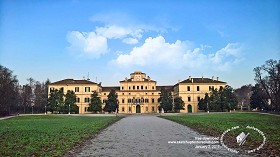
(189, 108)
(138, 109)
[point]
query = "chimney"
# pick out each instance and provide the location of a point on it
(192, 80)
(190, 77)
(217, 78)
(212, 78)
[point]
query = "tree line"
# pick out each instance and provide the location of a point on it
(167, 103)
(15, 98)
(58, 102)
(265, 94)
(219, 100)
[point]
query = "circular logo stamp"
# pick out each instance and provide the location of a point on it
(243, 139)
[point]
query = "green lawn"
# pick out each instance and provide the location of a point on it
(47, 135)
(215, 124)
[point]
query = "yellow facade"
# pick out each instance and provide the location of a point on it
(139, 94)
(193, 89)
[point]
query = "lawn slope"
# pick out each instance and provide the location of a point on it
(216, 123)
(47, 135)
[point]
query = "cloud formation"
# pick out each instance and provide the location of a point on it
(88, 43)
(95, 43)
(156, 51)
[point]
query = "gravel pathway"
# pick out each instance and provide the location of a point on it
(148, 136)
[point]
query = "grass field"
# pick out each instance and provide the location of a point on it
(216, 124)
(47, 135)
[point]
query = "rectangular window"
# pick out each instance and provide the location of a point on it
(146, 100)
(123, 101)
(77, 99)
(153, 87)
(137, 87)
(86, 99)
(104, 101)
(77, 89)
(141, 87)
(153, 108)
(129, 109)
(198, 98)
(147, 109)
(146, 87)
(210, 88)
(189, 88)
(197, 88)
(122, 109)
(51, 89)
(189, 98)
(133, 87)
(129, 87)
(62, 89)
(122, 88)
(153, 100)
(87, 89)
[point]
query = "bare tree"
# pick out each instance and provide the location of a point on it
(8, 90)
(243, 95)
(268, 77)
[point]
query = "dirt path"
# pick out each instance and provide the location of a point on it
(147, 135)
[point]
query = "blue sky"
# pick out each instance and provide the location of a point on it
(168, 40)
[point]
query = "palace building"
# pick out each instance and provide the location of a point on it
(139, 93)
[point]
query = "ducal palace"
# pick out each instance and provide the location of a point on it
(139, 93)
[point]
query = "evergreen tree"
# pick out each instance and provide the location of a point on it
(55, 101)
(214, 103)
(70, 99)
(219, 100)
(178, 104)
(112, 103)
(95, 104)
(258, 98)
(230, 99)
(166, 100)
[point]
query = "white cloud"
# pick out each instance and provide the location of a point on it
(113, 31)
(87, 43)
(119, 32)
(181, 54)
(95, 43)
(153, 51)
(231, 51)
(130, 41)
